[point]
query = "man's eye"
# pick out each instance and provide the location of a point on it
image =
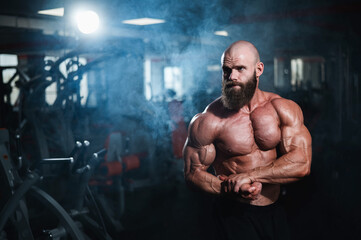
(240, 68)
(226, 70)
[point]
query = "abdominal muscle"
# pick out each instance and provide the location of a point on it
(227, 165)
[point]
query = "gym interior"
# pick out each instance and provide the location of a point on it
(96, 98)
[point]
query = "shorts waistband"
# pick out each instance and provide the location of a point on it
(227, 202)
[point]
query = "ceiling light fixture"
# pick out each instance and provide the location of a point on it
(143, 21)
(59, 12)
(87, 21)
(221, 33)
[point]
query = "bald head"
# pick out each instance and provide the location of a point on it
(242, 47)
(241, 67)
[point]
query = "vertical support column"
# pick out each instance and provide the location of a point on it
(339, 94)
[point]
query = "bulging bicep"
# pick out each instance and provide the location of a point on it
(198, 158)
(199, 151)
(295, 138)
(294, 134)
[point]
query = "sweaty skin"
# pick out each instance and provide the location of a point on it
(252, 149)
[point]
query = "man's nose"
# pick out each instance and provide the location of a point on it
(234, 74)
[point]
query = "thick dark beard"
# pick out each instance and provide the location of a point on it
(235, 99)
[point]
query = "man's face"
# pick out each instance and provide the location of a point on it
(237, 94)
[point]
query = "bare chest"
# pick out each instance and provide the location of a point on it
(245, 133)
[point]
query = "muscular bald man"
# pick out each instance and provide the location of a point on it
(255, 141)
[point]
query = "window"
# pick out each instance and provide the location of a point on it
(307, 73)
(299, 73)
(147, 79)
(161, 80)
(51, 91)
(10, 60)
(173, 80)
(280, 73)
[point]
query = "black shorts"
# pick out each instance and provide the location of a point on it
(237, 220)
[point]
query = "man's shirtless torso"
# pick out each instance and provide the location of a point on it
(245, 140)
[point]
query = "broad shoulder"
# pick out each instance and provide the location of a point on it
(288, 111)
(203, 126)
(269, 96)
(208, 119)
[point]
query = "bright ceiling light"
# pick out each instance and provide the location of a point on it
(87, 21)
(221, 33)
(59, 12)
(143, 21)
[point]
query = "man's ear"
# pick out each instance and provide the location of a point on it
(259, 69)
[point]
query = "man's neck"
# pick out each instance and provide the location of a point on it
(256, 100)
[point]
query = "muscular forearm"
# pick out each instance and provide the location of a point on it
(204, 181)
(288, 168)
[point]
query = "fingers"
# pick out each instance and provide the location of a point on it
(224, 187)
(222, 177)
(235, 183)
(227, 186)
(241, 186)
(237, 187)
(251, 191)
(247, 188)
(230, 185)
(257, 185)
(258, 188)
(247, 191)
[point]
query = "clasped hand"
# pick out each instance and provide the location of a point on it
(240, 184)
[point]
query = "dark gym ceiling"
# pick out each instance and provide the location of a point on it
(22, 29)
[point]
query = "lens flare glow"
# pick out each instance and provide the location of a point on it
(87, 21)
